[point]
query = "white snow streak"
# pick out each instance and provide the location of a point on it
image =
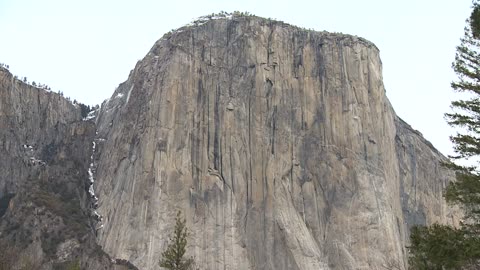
(90, 115)
(128, 95)
(91, 189)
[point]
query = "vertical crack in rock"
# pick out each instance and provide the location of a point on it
(277, 143)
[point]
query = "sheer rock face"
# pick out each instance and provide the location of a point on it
(279, 146)
(30, 119)
(45, 150)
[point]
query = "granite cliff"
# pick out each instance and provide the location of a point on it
(46, 221)
(277, 143)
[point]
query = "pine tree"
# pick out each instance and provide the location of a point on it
(466, 191)
(173, 256)
(441, 246)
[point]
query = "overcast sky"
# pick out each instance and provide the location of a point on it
(86, 48)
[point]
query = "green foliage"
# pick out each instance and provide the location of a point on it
(465, 192)
(68, 265)
(443, 247)
(70, 212)
(475, 21)
(173, 256)
(84, 109)
(75, 265)
(466, 116)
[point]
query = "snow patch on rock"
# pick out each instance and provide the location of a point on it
(90, 115)
(91, 190)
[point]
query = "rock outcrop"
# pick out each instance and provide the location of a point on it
(278, 144)
(45, 212)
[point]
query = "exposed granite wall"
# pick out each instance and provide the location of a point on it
(45, 148)
(278, 144)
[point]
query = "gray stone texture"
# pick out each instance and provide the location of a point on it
(45, 150)
(277, 143)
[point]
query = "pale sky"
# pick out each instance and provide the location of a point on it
(86, 48)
